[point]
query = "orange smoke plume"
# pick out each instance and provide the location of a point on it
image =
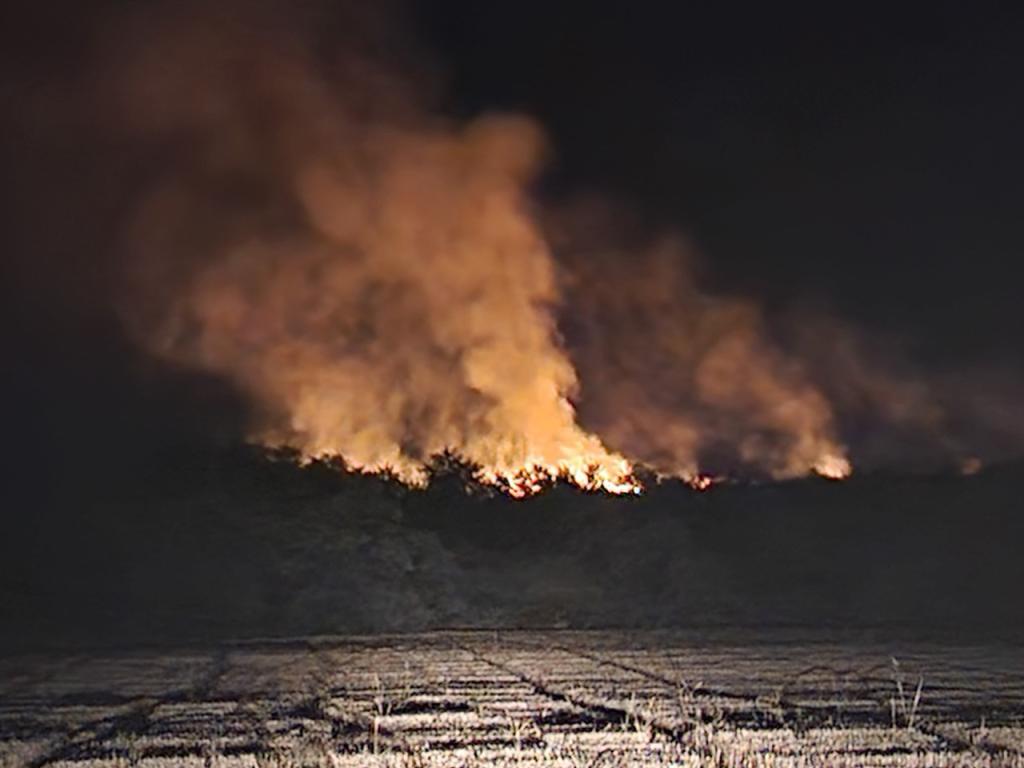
(675, 375)
(375, 279)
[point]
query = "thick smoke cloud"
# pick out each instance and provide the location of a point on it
(681, 380)
(368, 273)
(373, 276)
(295, 217)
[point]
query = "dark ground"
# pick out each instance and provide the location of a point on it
(554, 699)
(233, 543)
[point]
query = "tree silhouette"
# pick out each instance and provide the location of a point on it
(451, 474)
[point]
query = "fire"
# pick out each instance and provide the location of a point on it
(614, 477)
(374, 278)
(833, 467)
(701, 482)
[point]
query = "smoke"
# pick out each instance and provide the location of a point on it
(680, 380)
(894, 414)
(368, 273)
(375, 277)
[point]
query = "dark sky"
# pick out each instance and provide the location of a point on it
(865, 157)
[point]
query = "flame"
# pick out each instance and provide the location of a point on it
(594, 473)
(833, 466)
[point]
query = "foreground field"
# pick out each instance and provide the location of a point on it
(520, 698)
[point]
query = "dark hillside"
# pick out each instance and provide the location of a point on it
(232, 543)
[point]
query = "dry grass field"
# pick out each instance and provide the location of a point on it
(570, 699)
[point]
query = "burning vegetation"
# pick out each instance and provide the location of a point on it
(376, 279)
(382, 283)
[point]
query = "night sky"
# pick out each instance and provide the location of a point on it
(860, 155)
